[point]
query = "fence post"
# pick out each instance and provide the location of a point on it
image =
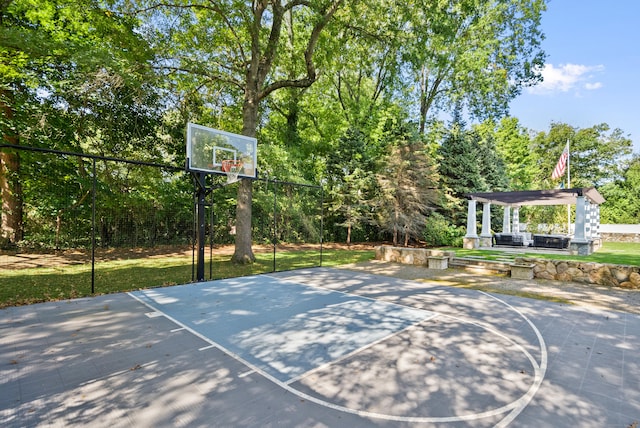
(275, 224)
(321, 221)
(93, 228)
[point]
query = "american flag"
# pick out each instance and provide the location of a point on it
(562, 164)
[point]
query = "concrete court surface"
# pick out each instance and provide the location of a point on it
(325, 348)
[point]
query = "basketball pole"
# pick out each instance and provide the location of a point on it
(201, 194)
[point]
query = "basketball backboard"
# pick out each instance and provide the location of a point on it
(211, 150)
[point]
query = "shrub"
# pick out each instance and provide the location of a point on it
(440, 232)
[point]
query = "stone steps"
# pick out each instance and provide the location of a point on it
(481, 266)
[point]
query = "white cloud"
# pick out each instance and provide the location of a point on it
(567, 77)
(593, 86)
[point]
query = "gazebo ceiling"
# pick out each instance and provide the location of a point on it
(539, 197)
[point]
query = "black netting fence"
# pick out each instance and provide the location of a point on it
(74, 224)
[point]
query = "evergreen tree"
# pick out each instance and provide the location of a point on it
(350, 181)
(407, 183)
(459, 168)
(492, 169)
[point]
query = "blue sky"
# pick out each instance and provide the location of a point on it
(592, 71)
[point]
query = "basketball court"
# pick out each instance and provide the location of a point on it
(317, 347)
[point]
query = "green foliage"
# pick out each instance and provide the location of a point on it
(134, 206)
(439, 232)
(595, 154)
(477, 53)
(350, 182)
(122, 79)
(622, 196)
(514, 146)
(459, 170)
(550, 219)
(62, 60)
(407, 185)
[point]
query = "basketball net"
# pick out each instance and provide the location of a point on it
(232, 169)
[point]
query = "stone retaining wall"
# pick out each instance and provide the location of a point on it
(410, 256)
(620, 237)
(587, 273)
(610, 275)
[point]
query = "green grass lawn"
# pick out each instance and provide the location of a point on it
(621, 253)
(25, 286)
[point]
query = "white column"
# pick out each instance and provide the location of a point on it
(486, 220)
(587, 219)
(594, 220)
(579, 234)
(506, 220)
(516, 221)
(471, 220)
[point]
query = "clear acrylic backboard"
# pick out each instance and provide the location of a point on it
(211, 150)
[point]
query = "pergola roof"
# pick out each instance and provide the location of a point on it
(539, 197)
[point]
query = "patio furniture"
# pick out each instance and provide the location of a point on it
(551, 241)
(509, 239)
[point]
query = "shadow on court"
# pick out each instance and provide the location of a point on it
(319, 347)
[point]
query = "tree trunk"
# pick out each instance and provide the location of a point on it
(258, 68)
(10, 188)
(11, 198)
(423, 101)
(243, 253)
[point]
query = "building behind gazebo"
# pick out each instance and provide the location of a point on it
(584, 240)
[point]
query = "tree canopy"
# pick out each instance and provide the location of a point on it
(354, 95)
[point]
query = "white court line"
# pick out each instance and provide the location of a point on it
(211, 342)
(245, 374)
(356, 351)
(515, 407)
(153, 314)
(330, 290)
(540, 372)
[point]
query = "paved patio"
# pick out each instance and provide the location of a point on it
(448, 357)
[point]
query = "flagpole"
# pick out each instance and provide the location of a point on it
(568, 187)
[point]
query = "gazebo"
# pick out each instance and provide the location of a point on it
(586, 236)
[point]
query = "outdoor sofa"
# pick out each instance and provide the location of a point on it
(551, 241)
(509, 239)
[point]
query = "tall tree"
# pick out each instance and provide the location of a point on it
(408, 186)
(235, 49)
(50, 49)
(350, 182)
(10, 186)
(492, 165)
(596, 153)
(481, 53)
(623, 195)
(460, 171)
(514, 146)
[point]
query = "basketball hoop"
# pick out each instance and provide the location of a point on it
(232, 169)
